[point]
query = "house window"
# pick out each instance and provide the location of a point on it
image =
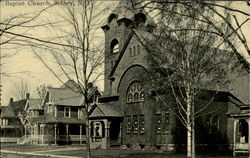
(208, 118)
(128, 124)
(135, 124)
(215, 120)
(158, 123)
(166, 122)
(67, 112)
(81, 112)
(212, 122)
(142, 124)
(5, 121)
(138, 49)
(49, 110)
(135, 93)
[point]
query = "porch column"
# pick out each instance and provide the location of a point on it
(234, 133)
(42, 133)
(120, 134)
(31, 133)
(55, 133)
(107, 125)
(80, 134)
(67, 134)
(248, 121)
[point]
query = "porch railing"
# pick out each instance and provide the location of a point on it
(242, 146)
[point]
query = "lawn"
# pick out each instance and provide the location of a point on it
(79, 151)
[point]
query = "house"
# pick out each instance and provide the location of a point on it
(130, 113)
(58, 118)
(10, 124)
(240, 128)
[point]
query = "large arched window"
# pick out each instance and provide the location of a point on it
(114, 46)
(135, 93)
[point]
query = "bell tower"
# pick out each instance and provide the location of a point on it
(117, 28)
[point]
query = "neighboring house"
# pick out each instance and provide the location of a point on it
(130, 113)
(240, 129)
(10, 124)
(60, 117)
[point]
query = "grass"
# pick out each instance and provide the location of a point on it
(100, 153)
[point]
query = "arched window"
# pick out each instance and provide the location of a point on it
(134, 49)
(138, 49)
(114, 46)
(135, 93)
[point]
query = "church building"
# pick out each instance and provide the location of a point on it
(129, 113)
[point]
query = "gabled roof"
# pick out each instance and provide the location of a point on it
(7, 111)
(70, 84)
(143, 37)
(105, 110)
(65, 96)
(18, 106)
(35, 104)
(69, 97)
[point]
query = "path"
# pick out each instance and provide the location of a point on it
(41, 153)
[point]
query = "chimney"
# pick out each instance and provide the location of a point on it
(27, 95)
(11, 100)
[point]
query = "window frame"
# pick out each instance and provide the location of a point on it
(141, 126)
(134, 95)
(158, 116)
(49, 109)
(135, 126)
(166, 123)
(129, 124)
(69, 109)
(114, 46)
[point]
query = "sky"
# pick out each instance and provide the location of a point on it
(24, 60)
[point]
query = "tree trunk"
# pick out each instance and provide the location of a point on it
(87, 138)
(189, 129)
(193, 134)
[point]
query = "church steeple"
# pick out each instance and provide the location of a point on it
(132, 13)
(126, 16)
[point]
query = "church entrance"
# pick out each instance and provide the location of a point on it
(115, 131)
(242, 131)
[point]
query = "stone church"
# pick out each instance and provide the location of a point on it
(129, 113)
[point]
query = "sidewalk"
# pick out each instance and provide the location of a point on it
(36, 154)
(39, 151)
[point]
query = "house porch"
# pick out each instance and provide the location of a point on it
(241, 133)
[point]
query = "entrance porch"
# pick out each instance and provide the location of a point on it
(105, 132)
(241, 133)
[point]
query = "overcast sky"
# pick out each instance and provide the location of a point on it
(25, 61)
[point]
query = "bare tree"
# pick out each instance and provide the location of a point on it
(223, 12)
(41, 91)
(193, 57)
(20, 89)
(79, 57)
